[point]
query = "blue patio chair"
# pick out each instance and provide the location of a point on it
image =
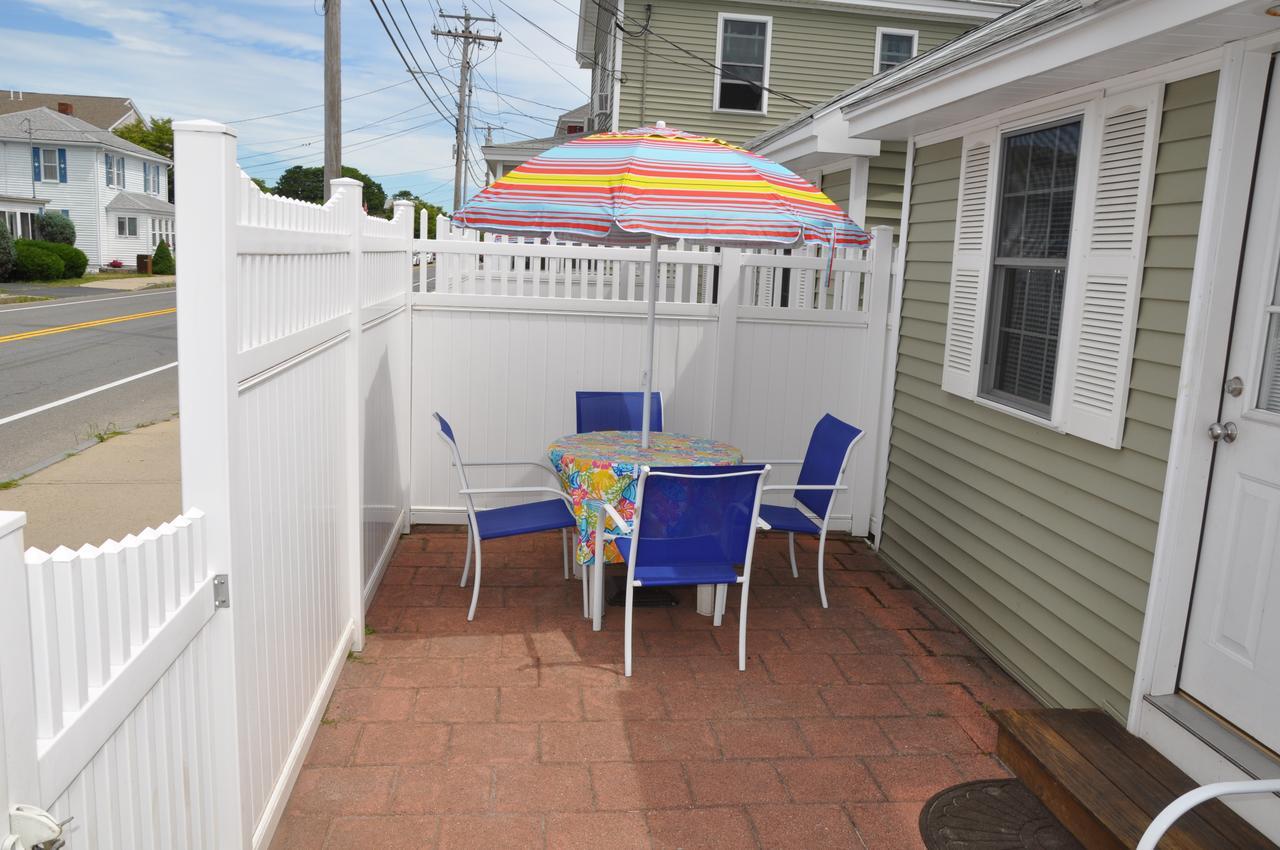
(509, 521)
(692, 525)
(616, 411)
(814, 492)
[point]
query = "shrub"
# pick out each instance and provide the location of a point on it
(73, 258)
(6, 251)
(35, 263)
(57, 228)
(116, 264)
(162, 261)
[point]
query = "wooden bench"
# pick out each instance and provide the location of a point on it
(1107, 785)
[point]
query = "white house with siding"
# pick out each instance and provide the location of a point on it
(113, 190)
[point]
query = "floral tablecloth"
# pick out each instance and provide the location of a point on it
(605, 465)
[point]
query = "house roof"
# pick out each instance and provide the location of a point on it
(140, 202)
(1040, 49)
(22, 199)
(102, 112)
(523, 149)
(50, 126)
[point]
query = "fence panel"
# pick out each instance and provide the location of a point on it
(117, 654)
(293, 342)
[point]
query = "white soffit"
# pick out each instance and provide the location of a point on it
(1126, 38)
(818, 143)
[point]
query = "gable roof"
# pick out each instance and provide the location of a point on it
(50, 126)
(139, 201)
(102, 112)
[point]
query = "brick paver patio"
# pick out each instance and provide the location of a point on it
(518, 729)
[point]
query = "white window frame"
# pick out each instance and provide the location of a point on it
(883, 31)
(109, 168)
(767, 20)
(122, 223)
(47, 174)
(120, 171)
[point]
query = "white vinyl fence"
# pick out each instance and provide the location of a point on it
(130, 703)
(752, 348)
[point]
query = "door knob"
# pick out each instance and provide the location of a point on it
(1225, 432)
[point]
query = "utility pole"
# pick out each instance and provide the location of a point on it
(466, 35)
(332, 93)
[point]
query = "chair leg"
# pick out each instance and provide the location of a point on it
(586, 591)
(564, 540)
(475, 592)
(742, 629)
(722, 595)
(791, 545)
(626, 641)
(597, 585)
(466, 565)
(822, 579)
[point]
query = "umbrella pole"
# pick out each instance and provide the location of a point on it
(646, 376)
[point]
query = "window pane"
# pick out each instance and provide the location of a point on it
(1028, 325)
(895, 48)
(743, 42)
(120, 227)
(1269, 395)
(1035, 206)
(49, 164)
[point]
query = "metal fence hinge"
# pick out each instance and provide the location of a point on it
(221, 591)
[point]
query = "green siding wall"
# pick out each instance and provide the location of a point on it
(835, 185)
(815, 54)
(1041, 544)
(885, 176)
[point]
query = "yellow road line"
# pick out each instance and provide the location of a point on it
(96, 323)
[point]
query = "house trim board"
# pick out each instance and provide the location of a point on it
(1237, 123)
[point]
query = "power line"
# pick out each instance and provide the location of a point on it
(425, 49)
(315, 138)
(316, 106)
(409, 49)
(400, 53)
(520, 41)
(358, 146)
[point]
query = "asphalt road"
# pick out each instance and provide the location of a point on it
(59, 349)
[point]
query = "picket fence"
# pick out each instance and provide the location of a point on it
(162, 691)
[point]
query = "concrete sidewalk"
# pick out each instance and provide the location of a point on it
(129, 284)
(105, 492)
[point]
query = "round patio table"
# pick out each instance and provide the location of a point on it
(605, 465)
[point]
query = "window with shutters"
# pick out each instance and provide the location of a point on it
(1034, 207)
(742, 63)
(1046, 272)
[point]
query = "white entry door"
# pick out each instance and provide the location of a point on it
(1231, 662)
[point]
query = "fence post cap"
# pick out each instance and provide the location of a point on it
(11, 521)
(202, 125)
(345, 181)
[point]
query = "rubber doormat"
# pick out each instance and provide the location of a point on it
(992, 814)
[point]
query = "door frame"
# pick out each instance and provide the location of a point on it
(1242, 90)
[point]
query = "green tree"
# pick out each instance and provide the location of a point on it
(156, 137)
(306, 183)
(7, 256)
(260, 183)
(55, 227)
(418, 206)
(162, 260)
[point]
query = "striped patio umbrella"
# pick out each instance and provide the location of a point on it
(657, 185)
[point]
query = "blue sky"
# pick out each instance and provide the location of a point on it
(237, 59)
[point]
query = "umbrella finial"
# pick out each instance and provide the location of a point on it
(661, 125)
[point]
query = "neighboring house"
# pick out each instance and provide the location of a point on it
(106, 113)
(501, 158)
(112, 189)
(734, 69)
(1090, 248)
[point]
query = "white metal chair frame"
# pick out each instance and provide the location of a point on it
(823, 522)
(1191, 799)
(628, 529)
(473, 528)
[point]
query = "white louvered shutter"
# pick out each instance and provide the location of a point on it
(1116, 230)
(970, 266)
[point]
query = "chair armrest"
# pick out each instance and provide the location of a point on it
(623, 526)
(805, 487)
(777, 462)
(762, 525)
(480, 491)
